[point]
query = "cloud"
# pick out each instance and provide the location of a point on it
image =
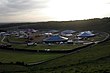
(108, 3)
(11, 7)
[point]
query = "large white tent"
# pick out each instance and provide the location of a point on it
(67, 32)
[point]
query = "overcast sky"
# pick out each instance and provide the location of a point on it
(47, 10)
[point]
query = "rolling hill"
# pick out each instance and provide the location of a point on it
(89, 24)
(92, 59)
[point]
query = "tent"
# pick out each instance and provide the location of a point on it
(86, 34)
(67, 32)
(53, 31)
(55, 39)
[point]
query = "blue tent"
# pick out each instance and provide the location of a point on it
(86, 34)
(55, 38)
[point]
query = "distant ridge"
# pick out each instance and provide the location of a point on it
(100, 24)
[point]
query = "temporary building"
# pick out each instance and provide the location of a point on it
(86, 34)
(70, 41)
(48, 34)
(67, 32)
(53, 31)
(2, 33)
(55, 39)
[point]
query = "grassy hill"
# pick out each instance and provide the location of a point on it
(90, 24)
(93, 59)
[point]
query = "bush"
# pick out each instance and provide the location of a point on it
(20, 63)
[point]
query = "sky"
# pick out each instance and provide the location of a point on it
(52, 10)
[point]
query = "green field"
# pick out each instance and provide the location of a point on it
(43, 47)
(94, 59)
(16, 39)
(13, 56)
(13, 69)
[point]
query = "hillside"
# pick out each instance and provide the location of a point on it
(92, 59)
(90, 24)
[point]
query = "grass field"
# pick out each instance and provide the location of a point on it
(12, 68)
(12, 56)
(16, 39)
(43, 47)
(94, 59)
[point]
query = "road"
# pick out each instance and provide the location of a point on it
(2, 40)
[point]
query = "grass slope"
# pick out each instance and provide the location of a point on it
(90, 24)
(43, 47)
(12, 56)
(94, 59)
